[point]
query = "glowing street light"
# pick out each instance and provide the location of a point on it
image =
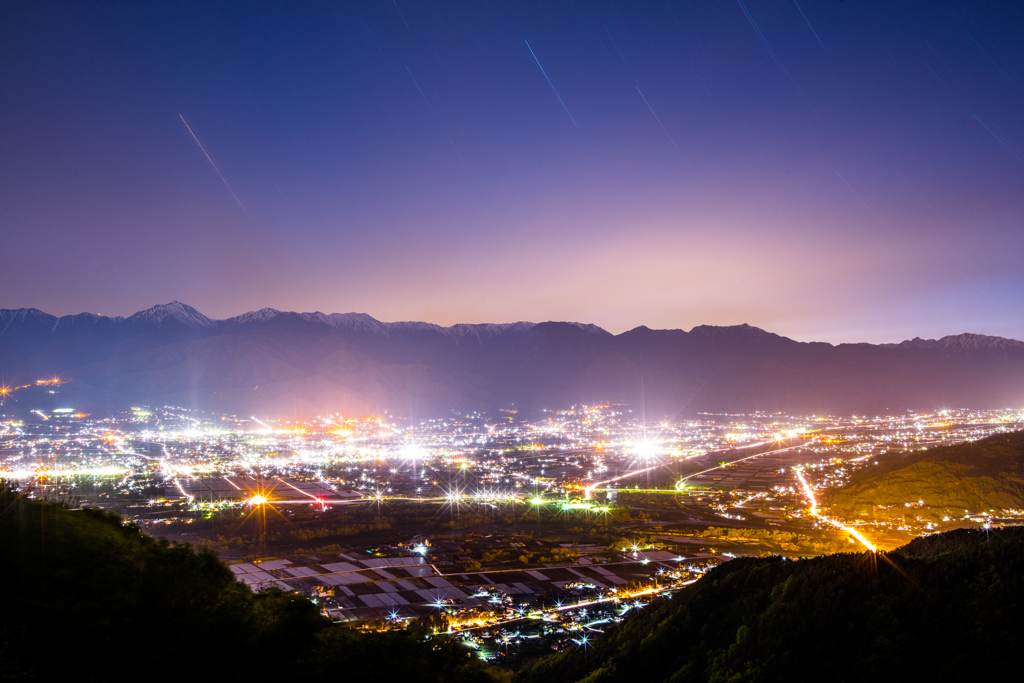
(412, 451)
(646, 449)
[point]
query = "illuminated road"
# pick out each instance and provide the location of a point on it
(681, 483)
(839, 525)
(539, 614)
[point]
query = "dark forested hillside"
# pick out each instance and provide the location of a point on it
(89, 598)
(942, 608)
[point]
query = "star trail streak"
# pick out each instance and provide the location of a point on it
(549, 82)
(207, 155)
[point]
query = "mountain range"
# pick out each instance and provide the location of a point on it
(300, 364)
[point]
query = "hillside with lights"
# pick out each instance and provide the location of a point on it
(940, 484)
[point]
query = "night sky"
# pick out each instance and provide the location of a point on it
(836, 171)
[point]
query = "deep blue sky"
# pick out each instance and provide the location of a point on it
(839, 171)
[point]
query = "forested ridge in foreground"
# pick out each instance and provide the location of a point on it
(90, 598)
(940, 608)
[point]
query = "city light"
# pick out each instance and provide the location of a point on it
(413, 451)
(646, 449)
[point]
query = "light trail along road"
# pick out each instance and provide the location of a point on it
(702, 459)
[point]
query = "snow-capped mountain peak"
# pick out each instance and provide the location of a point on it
(358, 322)
(260, 316)
(591, 328)
(15, 316)
(963, 343)
(176, 311)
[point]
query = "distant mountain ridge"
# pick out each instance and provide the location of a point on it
(288, 363)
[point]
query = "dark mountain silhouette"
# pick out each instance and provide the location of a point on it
(284, 363)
